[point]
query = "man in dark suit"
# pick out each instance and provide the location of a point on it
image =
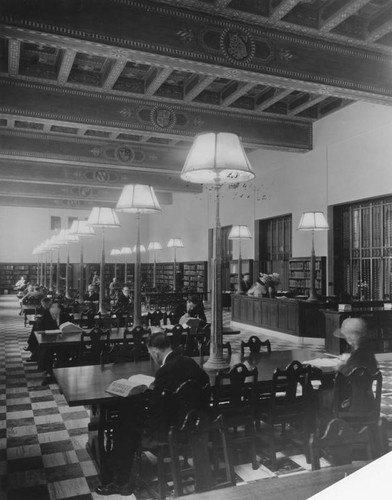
(32, 343)
(124, 299)
(91, 295)
(132, 423)
(245, 283)
(193, 308)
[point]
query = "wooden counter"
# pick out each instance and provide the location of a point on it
(295, 317)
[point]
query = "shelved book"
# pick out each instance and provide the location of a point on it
(136, 384)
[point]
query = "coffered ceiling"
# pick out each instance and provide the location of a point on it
(98, 93)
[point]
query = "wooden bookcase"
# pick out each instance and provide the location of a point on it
(195, 276)
(246, 267)
(11, 273)
(299, 275)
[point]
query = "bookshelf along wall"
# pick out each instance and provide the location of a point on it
(299, 275)
(193, 274)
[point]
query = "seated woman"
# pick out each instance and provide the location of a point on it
(51, 319)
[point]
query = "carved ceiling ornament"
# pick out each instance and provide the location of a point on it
(163, 117)
(125, 154)
(237, 45)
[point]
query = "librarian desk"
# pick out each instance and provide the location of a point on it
(86, 385)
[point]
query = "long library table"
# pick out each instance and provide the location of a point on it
(86, 385)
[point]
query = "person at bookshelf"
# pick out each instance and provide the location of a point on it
(32, 343)
(245, 283)
(134, 426)
(91, 295)
(51, 319)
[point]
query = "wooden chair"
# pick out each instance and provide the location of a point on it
(291, 401)
(94, 345)
(339, 443)
(255, 344)
(236, 400)
(357, 400)
(87, 319)
(201, 438)
(134, 339)
(178, 337)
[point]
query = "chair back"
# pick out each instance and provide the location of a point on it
(93, 346)
(190, 396)
(291, 383)
(193, 324)
(177, 336)
(135, 340)
(239, 389)
(254, 344)
(357, 396)
(155, 317)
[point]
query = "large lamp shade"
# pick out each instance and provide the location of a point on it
(154, 245)
(239, 233)
(217, 158)
(313, 221)
(138, 198)
(175, 243)
(142, 249)
(81, 228)
(103, 217)
(114, 252)
(126, 251)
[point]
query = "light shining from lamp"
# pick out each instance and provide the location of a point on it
(154, 245)
(175, 243)
(217, 158)
(313, 221)
(239, 233)
(138, 198)
(103, 217)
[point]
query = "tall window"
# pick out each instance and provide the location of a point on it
(274, 247)
(363, 249)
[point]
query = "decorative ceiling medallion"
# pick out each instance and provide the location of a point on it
(237, 45)
(125, 154)
(163, 117)
(127, 112)
(102, 176)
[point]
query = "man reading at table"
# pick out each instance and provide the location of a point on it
(132, 424)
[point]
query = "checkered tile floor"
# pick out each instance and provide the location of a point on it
(42, 440)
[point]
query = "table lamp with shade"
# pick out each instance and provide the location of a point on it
(175, 243)
(154, 246)
(138, 199)
(81, 229)
(239, 233)
(126, 251)
(313, 221)
(217, 159)
(115, 252)
(103, 218)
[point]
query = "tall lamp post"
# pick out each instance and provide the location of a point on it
(217, 159)
(138, 199)
(313, 221)
(126, 251)
(81, 229)
(154, 246)
(239, 233)
(52, 245)
(68, 239)
(104, 218)
(115, 252)
(175, 243)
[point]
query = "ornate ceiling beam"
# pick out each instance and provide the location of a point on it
(13, 57)
(196, 86)
(140, 116)
(67, 59)
(282, 9)
(213, 46)
(158, 78)
(350, 8)
(92, 179)
(381, 29)
(308, 104)
(96, 195)
(221, 4)
(277, 95)
(114, 73)
(240, 90)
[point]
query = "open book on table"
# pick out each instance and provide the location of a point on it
(135, 384)
(66, 327)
